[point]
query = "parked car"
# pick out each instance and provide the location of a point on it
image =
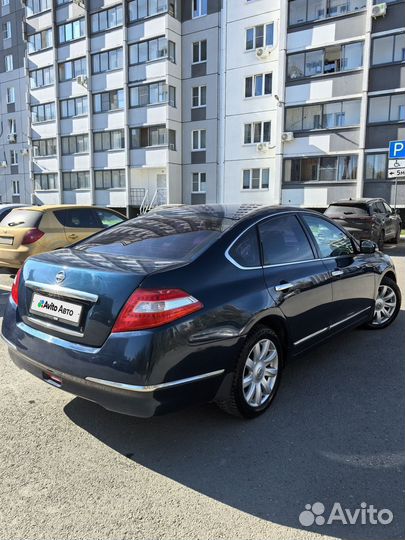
(7, 207)
(371, 219)
(194, 304)
(36, 229)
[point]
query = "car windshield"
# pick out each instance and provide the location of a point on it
(21, 219)
(347, 210)
(164, 236)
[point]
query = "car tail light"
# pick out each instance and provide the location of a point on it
(149, 308)
(16, 284)
(32, 236)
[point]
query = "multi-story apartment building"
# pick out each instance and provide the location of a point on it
(15, 184)
(141, 102)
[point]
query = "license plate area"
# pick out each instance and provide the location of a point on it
(6, 240)
(56, 309)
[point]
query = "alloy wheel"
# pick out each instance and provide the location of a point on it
(260, 373)
(385, 305)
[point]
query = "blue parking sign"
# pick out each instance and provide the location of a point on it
(397, 149)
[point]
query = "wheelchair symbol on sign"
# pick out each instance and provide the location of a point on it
(397, 164)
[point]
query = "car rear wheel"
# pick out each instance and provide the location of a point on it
(387, 305)
(257, 375)
(397, 236)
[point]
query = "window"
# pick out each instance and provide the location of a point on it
(258, 85)
(139, 9)
(44, 147)
(257, 132)
(108, 179)
(43, 113)
(109, 140)
(75, 144)
(107, 61)
(199, 51)
(199, 139)
(199, 8)
(83, 218)
(389, 49)
(13, 157)
(75, 180)
(71, 31)
(245, 251)
(153, 136)
(320, 169)
(41, 77)
(10, 94)
(284, 241)
(73, 107)
(302, 11)
(37, 6)
(259, 36)
(8, 62)
(5, 2)
(376, 167)
(108, 101)
(255, 179)
(45, 181)
(109, 18)
(199, 182)
(39, 41)
(108, 219)
(152, 49)
(387, 108)
(152, 94)
(12, 126)
(72, 68)
(7, 30)
(332, 59)
(16, 187)
(331, 241)
(199, 96)
(323, 116)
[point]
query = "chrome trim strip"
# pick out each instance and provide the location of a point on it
(61, 291)
(350, 317)
(55, 327)
(59, 341)
(283, 287)
(152, 388)
(312, 335)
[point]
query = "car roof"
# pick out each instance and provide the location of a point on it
(363, 200)
(46, 207)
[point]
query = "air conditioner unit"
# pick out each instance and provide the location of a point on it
(263, 147)
(287, 136)
(11, 137)
(379, 10)
(80, 3)
(262, 52)
(24, 151)
(82, 80)
(3, 164)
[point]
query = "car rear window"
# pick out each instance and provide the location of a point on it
(21, 219)
(347, 210)
(159, 237)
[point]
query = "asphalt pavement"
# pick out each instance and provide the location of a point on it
(335, 434)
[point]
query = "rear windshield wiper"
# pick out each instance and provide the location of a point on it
(14, 223)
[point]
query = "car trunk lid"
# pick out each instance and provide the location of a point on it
(15, 227)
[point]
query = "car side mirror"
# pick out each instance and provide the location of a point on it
(367, 246)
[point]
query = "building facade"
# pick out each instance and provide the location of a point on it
(142, 102)
(15, 184)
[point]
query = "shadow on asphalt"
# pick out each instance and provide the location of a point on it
(334, 434)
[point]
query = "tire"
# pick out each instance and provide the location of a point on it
(238, 403)
(386, 314)
(397, 237)
(381, 241)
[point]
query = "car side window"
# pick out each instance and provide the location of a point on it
(381, 208)
(80, 218)
(108, 219)
(388, 208)
(284, 241)
(245, 251)
(331, 241)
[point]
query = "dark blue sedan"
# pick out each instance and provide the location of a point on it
(192, 304)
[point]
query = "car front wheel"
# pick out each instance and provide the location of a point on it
(387, 305)
(257, 375)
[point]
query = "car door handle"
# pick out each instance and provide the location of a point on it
(72, 236)
(337, 273)
(283, 287)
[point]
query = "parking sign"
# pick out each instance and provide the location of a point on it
(397, 149)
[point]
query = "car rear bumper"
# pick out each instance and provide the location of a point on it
(13, 258)
(108, 377)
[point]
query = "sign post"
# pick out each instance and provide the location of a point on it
(396, 164)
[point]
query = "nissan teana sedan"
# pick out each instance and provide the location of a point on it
(194, 304)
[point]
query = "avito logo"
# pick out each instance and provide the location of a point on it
(41, 303)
